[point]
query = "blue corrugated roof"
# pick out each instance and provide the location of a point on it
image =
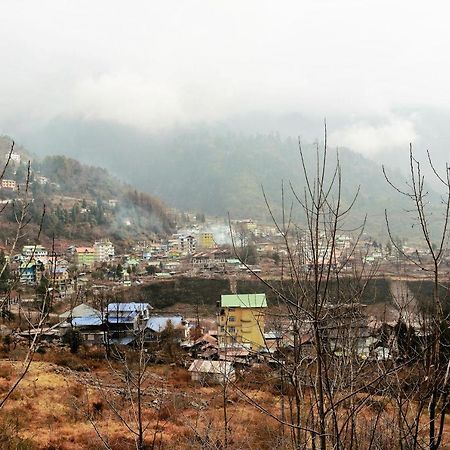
(133, 306)
(159, 323)
(122, 319)
(88, 321)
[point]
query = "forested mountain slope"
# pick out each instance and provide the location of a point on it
(81, 202)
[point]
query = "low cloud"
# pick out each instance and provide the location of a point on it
(372, 139)
(159, 64)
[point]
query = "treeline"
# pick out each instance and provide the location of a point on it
(151, 206)
(217, 171)
(423, 294)
(206, 292)
(72, 177)
(57, 177)
(191, 291)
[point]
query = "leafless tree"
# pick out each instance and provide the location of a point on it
(423, 409)
(131, 393)
(20, 207)
(326, 376)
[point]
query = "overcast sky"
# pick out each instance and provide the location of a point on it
(154, 64)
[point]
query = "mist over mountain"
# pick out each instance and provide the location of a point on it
(165, 102)
(80, 201)
(216, 170)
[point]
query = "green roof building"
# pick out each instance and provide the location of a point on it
(241, 320)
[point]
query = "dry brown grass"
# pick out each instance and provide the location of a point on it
(52, 407)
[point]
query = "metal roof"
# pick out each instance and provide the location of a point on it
(82, 310)
(85, 249)
(243, 301)
(123, 319)
(159, 323)
(131, 307)
(206, 366)
(86, 321)
(126, 340)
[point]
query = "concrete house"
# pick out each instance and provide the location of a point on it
(104, 250)
(85, 256)
(30, 271)
(155, 325)
(87, 320)
(35, 251)
(121, 319)
(240, 320)
(124, 315)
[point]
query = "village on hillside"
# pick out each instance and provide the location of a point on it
(172, 327)
(88, 292)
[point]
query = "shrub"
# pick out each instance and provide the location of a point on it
(10, 439)
(180, 376)
(97, 407)
(73, 338)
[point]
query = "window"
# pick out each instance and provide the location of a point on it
(232, 319)
(231, 329)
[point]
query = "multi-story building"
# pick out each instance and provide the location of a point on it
(247, 225)
(104, 250)
(205, 240)
(37, 252)
(60, 278)
(8, 184)
(15, 157)
(186, 244)
(208, 260)
(240, 320)
(85, 256)
(30, 272)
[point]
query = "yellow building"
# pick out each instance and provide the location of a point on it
(240, 320)
(206, 240)
(85, 256)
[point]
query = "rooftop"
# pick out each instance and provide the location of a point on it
(243, 301)
(85, 250)
(88, 321)
(159, 323)
(82, 310)
(217, 367)
(131, 307)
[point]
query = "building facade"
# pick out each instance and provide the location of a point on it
(85, 256)
(240, 320)
(205, 240)
(104, 250)
(35, 251)
(8, 184)
(186, 244)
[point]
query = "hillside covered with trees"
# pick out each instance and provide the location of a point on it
(218, 171)
(81, 202)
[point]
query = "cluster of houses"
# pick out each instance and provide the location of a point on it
(159, 258)
(241, 337)
(193, 252)
(35, 261)
(120, 323)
